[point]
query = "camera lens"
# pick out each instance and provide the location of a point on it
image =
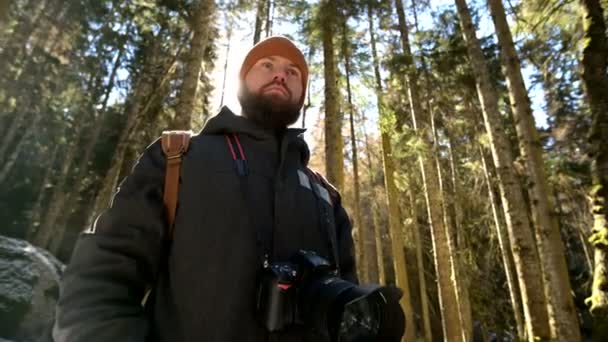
(360, 320)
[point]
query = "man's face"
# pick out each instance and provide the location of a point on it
(271, 92)
(277, 78)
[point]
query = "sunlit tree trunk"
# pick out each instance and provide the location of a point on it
(11, 159)
(49, 228)
(375, 254)
(229, 29)
(9, 135)
(424, 300)
(395, 219)
(595, 81)
(361, 232)
(82, 168)
(507, 258)
(38, 209)
(308, 102)
(201, 25)
(523, 246)
(260, 14)
(269, 17)
(443, 250)
(334, 161)
(563, 318)
(145, 95)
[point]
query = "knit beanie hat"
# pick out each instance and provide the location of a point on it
(276, 46)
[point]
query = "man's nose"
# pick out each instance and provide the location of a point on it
(280, 76)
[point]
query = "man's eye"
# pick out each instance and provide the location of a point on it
(267, 65)
(292, 72)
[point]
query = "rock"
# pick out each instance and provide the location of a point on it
(29, 288)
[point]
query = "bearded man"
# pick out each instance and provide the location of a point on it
(246, 199)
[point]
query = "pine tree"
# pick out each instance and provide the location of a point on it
(523, 246)
(333, 117)
(394, 218)
(562, 315)
(595, 77)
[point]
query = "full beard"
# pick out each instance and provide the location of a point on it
(266, 111)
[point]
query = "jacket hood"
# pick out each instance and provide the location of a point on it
(228, 122)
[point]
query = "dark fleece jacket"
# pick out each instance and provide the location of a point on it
(205, 279)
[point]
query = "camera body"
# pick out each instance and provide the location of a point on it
(307, 291)
(282, 284)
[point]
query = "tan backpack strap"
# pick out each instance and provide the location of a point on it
(174, 143)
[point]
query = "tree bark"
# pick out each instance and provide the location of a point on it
(259, 18)
(9, 162)
(9, 136)
(523, 246)
(362, 234)
(424, 300)
(49, 229)
(38, 208)
(507, 258)
(145, 94)
(376, 261)
(563, 318)
(269, 17)
(453, 323)
(228, 37)
(334, 160)
(70, 198)
(595, 82)
(201, 25)
(395, 219)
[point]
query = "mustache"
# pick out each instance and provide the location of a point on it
(277, 84)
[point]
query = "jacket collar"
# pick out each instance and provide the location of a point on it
(227, 122)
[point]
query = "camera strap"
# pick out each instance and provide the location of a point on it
(325, 223)
(264, 235)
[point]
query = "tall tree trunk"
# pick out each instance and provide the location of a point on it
(375, 249)
(9, 136)
(507, 258)
(334, 161)
(362, 232)
(70, 198)
(308, 102)
(424, 300)
(145, 95)
(444, 252)
(9, 162)
(395, 219)
(379, 246)
(595, 81)
(14, 51)
(523, 246)
(38, 208)
(228, 37)
(563, 318)
(201, 26)
(259, 18)
(49, 228)
(269, 14)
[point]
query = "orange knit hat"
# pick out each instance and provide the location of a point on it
(276, 46)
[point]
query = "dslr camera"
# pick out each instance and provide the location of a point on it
(307, 291)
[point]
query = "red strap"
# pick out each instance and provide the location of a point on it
(238, 143)
(230, 146)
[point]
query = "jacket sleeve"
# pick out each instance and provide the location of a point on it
(346, 248)
(113, 261)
